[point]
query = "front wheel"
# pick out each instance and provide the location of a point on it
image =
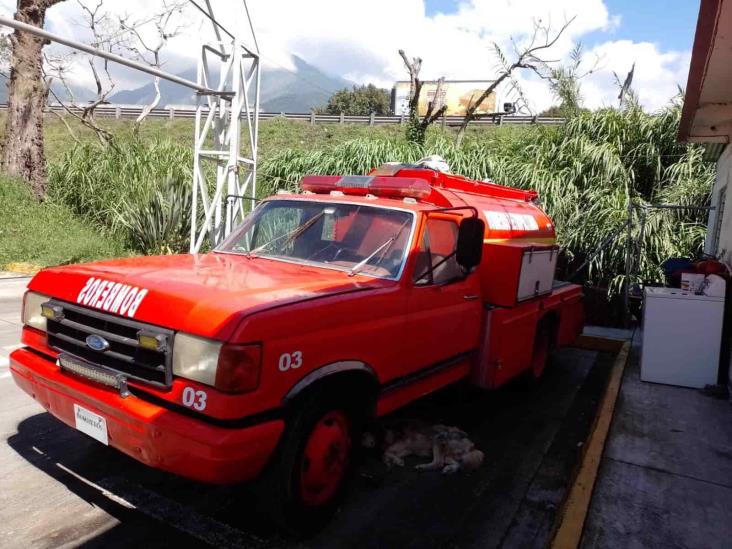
(307, 478)
(325, 459)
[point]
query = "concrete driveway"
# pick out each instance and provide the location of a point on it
(60, 488)
(11, 290)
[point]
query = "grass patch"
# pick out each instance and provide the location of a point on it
(44, 234)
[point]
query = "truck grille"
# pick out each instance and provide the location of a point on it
(125, 355)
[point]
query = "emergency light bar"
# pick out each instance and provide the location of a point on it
(361, 185)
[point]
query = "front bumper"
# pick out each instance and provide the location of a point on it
(154, 435)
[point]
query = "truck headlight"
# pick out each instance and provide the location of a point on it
(196, 358)
(32, 312)
(228, 367)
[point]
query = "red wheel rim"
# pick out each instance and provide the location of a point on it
(325, 458)
(541, 352)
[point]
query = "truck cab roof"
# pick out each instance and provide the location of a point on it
(425, 186)
(508, 213)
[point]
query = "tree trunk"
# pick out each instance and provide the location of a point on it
(23, 152)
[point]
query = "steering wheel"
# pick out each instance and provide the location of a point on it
(343, 250)
(324, 255)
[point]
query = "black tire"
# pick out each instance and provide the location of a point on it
(542, 350)
(282, 483)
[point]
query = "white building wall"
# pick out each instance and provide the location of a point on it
(719, 232)
(719, 229)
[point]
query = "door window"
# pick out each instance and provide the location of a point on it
(436, 263)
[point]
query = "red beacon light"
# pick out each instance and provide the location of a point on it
(361, 185)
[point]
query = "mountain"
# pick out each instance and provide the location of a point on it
(300, 90)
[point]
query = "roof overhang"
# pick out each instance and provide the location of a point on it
(707, 113)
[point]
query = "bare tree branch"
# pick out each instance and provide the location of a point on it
(147, 49)
(113, 34)
(58, 70)
(105, 35)
(62, 118)
(430, 116)
(527, 57)
(418, 126)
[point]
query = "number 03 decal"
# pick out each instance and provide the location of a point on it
(290, 360)
(194, 399)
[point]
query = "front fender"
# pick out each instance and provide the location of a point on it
(327, 371)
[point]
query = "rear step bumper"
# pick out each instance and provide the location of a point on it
(156, 436)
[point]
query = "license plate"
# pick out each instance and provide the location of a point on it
(90, 423)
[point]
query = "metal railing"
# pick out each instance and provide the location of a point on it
(179, 111)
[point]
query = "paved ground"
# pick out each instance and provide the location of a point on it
(666, 475)
(59, 488)
(10, 290)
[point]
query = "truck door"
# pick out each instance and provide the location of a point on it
(444, 306)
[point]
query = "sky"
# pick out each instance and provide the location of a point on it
(359, 40)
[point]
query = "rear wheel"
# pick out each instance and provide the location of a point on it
(307, 478)
(542, 346)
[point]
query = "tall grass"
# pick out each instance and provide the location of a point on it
(137, 190)
(586, 172)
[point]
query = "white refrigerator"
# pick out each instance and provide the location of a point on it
(682, 335)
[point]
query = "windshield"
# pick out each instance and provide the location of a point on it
(349, 237)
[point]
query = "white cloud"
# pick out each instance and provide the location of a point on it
(359, 40)
(363, 39)
(655, 79)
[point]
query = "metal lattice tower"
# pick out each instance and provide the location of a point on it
(224, 177)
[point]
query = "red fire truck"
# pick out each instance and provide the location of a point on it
(324, 308)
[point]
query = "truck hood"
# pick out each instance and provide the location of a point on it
(207, 294)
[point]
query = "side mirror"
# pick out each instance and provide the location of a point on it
(470, 243)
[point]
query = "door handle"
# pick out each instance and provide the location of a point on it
(470, 297)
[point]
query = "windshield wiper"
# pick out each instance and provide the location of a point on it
(292, 235)
(361, 264)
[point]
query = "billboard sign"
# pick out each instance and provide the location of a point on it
(456, 94)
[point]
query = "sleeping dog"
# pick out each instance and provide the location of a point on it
(450, 448)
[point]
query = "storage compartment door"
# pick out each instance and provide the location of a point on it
(537, 273)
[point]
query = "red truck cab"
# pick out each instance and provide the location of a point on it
(323, 309)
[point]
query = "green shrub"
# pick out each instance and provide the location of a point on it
(137, 190)
(45, 234)
(163, 224)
